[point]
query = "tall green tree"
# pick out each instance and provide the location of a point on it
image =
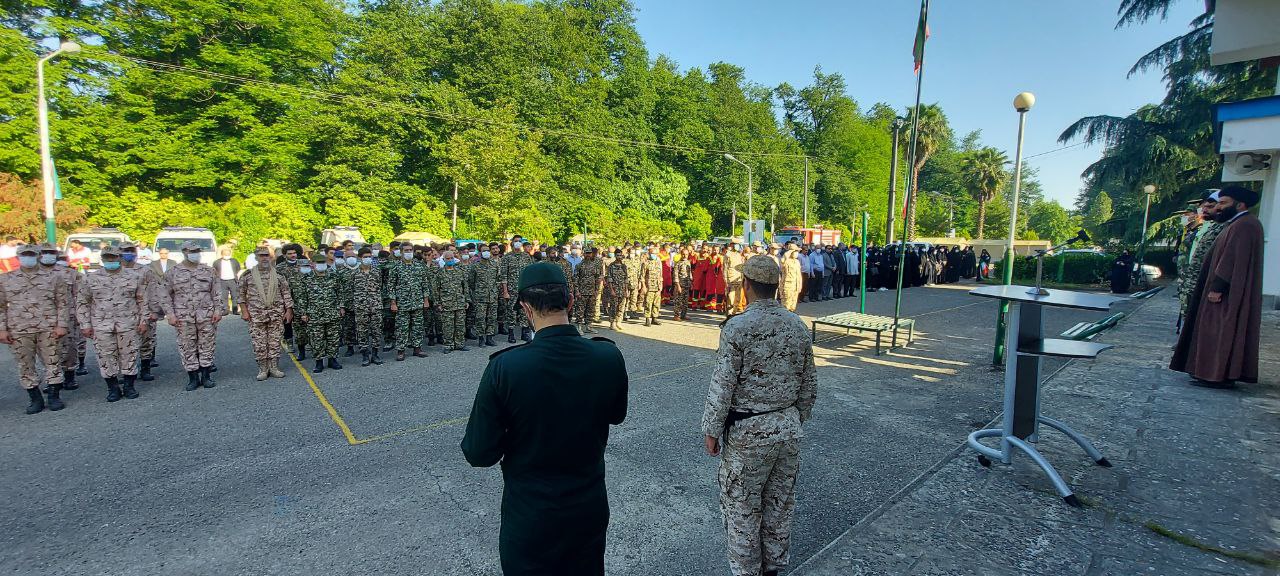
(932, 131)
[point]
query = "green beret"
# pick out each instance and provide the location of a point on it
(540, 273)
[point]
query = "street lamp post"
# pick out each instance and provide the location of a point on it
(46, 159)
(751, 214)
(898, 124)
(773, 216)
(1149, 190)
(1022, 103)
(806, 191)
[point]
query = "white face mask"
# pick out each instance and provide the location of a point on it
(48, 259)
(352, 261)
(28, 261)
(486, 254)
(516, 245)
(321, 267)
(193, 257)
(407, 255)
(396, 252)
(305, 269)
(367, 261)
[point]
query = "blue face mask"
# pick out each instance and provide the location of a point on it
(653, 256)
(453, 262)
(367, 261)
(129, 257)
(111, 265)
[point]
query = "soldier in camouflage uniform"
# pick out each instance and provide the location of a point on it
(291, 270)
(111, 308)
(616, 283)
(366, 308)
(1201, 247)
(194, 306)
(266, 304)
(511, 265)
(129, 262)
(588, 279)
(451, 292)
(484, 278)
(71, 347)
(762, 390)
(432, 324)
(632, 306)
(386, 264)
(33, 319)
(468, 257)
(651, 287)
(321, 309)
(346, 268)
(681, 284)
(155, 271)
(407, 287)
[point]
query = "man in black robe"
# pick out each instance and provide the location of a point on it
(1121, 273)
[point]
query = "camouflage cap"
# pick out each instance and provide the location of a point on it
(29, 249)
(190, 246)
(761, 268)
(540, 273)
(262, 251)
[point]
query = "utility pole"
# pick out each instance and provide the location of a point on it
(898, 125)
(806, 191)
(453, 228)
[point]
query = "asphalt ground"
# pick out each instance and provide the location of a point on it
(358, 471)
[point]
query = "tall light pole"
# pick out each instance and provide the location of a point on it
(46, 159)
(751, 214)
(898, 124)
(1022, 103)
(806, 191)
(773, 216)
(1149, 190)
(453, 227)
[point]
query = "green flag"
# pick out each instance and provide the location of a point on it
(922, 34)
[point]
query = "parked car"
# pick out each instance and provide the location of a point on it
(172, 239)
(93, 239)
(340, 234)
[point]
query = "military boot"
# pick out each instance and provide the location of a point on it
(502, 328)
(463, 347)
(647, 321)
(69, 380)
(319, 366)
(399, 355)
(193, 380)
(37, 401)
(333, 363)
(374, 358)
(213, 367)
(129, 391)
(146, 372)
(418, 353)
(52, 398)
(526, 334)
(113, 389)
(488, 341)
(262, 371)
(80, 369)
(206, 377)
(590, 329)
(364, 358)
(153, 362)
(302, 352)
(274, 370)
(479, 341)
(471, 333)
(351, 351)
(656, 322)
(511, 336)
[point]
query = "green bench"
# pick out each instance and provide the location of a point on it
(1087, 330)
(866, 323)
(1146, 293)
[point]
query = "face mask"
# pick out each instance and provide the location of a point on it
(305, 269)
(367, 261)
(110, 265)
(407, 255)
(486, 254)
(352, 261)
(48, 259)
(321, 267)
(396, 252)
(653, 256)
(28, 261)
(193, 257)
(516, 245)
(291, 259)
(61, 264)
(453, 262)
(129, 257)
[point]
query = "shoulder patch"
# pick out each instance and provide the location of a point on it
(505, 350)
(603, 339)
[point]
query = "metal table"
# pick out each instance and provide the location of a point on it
(1022, 418)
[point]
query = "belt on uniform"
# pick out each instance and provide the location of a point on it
(736, 416)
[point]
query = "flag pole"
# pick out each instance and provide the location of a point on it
(912, 182)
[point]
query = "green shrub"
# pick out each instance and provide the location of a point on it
(1073, 268)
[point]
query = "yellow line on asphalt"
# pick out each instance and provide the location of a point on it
(423, 428)
(333, 413)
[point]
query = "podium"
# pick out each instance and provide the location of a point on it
(1026, 346)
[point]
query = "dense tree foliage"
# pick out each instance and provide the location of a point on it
(274, 119)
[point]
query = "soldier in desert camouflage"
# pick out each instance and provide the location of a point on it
(72, 346)
(111, 309)
(33, 319)
(651, 287)
(194, 308)
(266, 305)
(616, 283)
(762, 390)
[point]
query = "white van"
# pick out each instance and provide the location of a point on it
(94, 239)
(172, 239)
(340, 234)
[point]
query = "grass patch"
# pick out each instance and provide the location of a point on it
(1185, 540)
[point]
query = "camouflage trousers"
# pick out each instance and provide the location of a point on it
(733, 298)
(486, 318)
(471, 318)
(74, 346)
(617, 304)
(147, 347)
(680, 299)
(652, 303)
(300, 333)
(368, 330)
(431, 322)
(117, 352)
(409, 329)
(324, 336)
(453, 324)
(586, 308)
(42, 345)
(265, 336)
(635, 303)
(196, 340)
(788, 298)
(515, 316)
(348, 328)
(504, 311)
(757, 497)
(388, 323)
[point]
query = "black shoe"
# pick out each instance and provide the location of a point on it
(319, 366)
(526, 334)
(52, 398)
(351, 351)
(193, 380)
(374, 359)
(69, 380)
(37, 401)
(488, 341)
(129, 391)
(448, 350)
(647, 321)
(364, 358)
(333, 363)
(511, 337)
(146, 372)
(80, 369)
(502, 329)
(302, 352)
(463, 348)
(206, 379)
(471, 333)
(479, 341)
(113, 389)
(153, 363)
(213, 367)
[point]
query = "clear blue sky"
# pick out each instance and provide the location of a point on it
(981, 53)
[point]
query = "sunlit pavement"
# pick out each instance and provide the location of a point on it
(357, 471)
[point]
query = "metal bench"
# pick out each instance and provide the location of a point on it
(1146, 293)
(866, 323)
(1087, 330)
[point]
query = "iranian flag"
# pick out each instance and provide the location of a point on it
(922, 34)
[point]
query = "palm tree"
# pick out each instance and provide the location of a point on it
(983, 174)
(931, 133)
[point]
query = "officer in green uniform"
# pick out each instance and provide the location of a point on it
(543, 410)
